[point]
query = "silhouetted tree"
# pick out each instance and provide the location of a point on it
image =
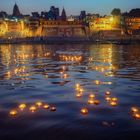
(116, 12)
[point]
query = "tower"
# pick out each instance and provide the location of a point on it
(63, 15)
(16, 11)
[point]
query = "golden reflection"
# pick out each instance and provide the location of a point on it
(70, 58)
(104, 54)
(77, 86)
(17, 59)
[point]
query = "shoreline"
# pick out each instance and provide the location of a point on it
(72, 41)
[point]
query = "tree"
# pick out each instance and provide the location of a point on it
(116, 12)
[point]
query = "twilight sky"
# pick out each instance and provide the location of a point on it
(71, 6)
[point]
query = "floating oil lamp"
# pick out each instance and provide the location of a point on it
(32, 109)
(134, 110)
(92, 96)
(114, 99)
(77, 86)
(112, 103)
(46, 106)
(90, 101)
(53, 108)
(46, 75)
(97, 82)
(108, 99)
(39, 104)
(61, 72)
(13, 113)
(136, 115)
(102, 69)
(63, 68)
(78, 95)
(81, 90)
(65, 76)
(96, 68)
(22, 106)
(107, 93)
(96, 102)
(84, 111)
(109, 83)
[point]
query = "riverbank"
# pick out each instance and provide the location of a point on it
(60, 40)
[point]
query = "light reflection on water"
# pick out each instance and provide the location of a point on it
(49, 73)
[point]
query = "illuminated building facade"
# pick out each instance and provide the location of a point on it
(51, 24)
(106, 27)
(132, 25)
(57, 28)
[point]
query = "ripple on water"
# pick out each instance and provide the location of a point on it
(48, 73)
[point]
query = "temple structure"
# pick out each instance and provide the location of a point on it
(16, 11)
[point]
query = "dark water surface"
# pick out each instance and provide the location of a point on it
(48, 73)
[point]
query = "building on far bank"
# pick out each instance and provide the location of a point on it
(131, 22)
(133, 25)
(106, 27)
(16, 11)
(54, 24)
(64, 29)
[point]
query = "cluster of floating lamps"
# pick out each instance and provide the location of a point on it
(79, 90)
(32, 108)
(113, 101)
(70, 58)
(135, 112)
(63, 73)
(92, 100)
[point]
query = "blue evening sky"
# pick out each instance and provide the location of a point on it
(71, 6)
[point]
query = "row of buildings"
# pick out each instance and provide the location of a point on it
(52, 24)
